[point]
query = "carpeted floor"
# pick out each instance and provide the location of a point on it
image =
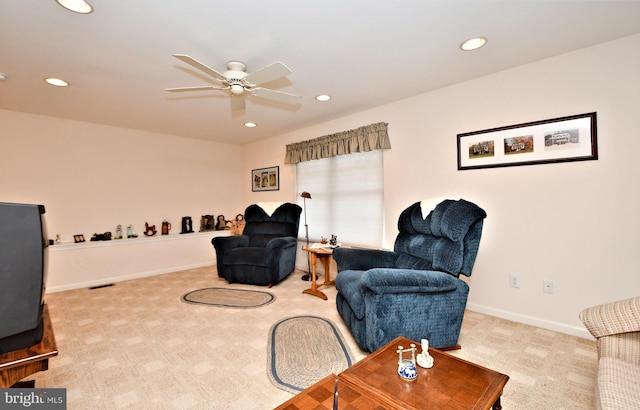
(138, 345)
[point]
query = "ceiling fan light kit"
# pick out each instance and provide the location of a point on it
(237, 81)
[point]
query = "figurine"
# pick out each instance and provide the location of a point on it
(58, 240)
(333, 241)
(130, 233)
(240, 223)
(100, 237)
(407, 368)
(166, 227)
(425, 359)
(221, 224)
(118, 234)
(150, 230)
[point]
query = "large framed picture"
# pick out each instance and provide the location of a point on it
(265, 179)
(572, 138)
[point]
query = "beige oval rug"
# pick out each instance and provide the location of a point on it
(235, 298)
(304, 349)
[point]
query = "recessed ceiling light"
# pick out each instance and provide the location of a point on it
(323, 97)
(78, 6)
(56, 81)
(473, 43)
(3, 76)
(250, 124)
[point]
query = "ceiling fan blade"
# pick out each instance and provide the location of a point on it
(276, 95)
(269, 73)
(200, 66)
(197, 88)
(237, 103)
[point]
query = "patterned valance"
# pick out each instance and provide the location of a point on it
(366, 138)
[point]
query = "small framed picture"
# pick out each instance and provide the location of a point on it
(265, 179)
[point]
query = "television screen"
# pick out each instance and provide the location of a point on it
(23, 266)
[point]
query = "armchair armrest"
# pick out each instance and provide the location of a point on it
(408, 281)
(281, 242)
(225, 243)
(617, 317)
(363, 259)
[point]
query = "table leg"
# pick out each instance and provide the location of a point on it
(326, 262)
(497, 405)
(314, 286)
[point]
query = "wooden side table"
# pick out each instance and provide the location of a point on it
(324, 255)
(18, 364)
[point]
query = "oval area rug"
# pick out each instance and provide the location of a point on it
(236, 298)
(304, 349)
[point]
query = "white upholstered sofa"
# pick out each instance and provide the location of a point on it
(616, 327)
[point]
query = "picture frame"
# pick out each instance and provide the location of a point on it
(564, 139)
(265, 179)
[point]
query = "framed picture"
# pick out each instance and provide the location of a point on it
(265, 179)
(565, 139)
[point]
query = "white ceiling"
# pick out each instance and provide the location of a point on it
(364, 53)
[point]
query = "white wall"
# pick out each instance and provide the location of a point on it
(573, 223)
(93, 177)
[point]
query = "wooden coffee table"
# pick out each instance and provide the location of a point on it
(451, 383)
(324, 255)
(320, 397)
(373, 383)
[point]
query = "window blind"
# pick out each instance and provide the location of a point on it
(347, 198)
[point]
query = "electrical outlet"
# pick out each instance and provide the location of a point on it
(514, 281)
(547, 286)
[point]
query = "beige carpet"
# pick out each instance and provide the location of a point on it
(137, 345)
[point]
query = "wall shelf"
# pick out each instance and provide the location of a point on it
(90, 264)
(140, 240)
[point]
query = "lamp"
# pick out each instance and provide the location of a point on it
(305, 195)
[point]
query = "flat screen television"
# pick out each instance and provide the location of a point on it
(23, 270)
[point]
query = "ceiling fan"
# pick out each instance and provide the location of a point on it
(238, 81)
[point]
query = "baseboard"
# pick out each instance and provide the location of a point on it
(122, 278)
(531, 321)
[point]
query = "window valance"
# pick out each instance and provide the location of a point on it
(366, 138)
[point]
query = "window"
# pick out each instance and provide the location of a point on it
(347, 198)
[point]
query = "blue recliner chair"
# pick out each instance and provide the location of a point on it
(414, 291)
(265, 253)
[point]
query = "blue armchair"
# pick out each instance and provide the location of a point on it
(265, 253)
(414, 291)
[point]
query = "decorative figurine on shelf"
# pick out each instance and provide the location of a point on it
(101, 237)
(130, 233)
(166, 227)
(407, 368)
(58, 240)
(78, 238)
(425, 359)
(221, 224)
(149, 230)
(187, 225)
(240, 223)
(118, 234)
(206, 223)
